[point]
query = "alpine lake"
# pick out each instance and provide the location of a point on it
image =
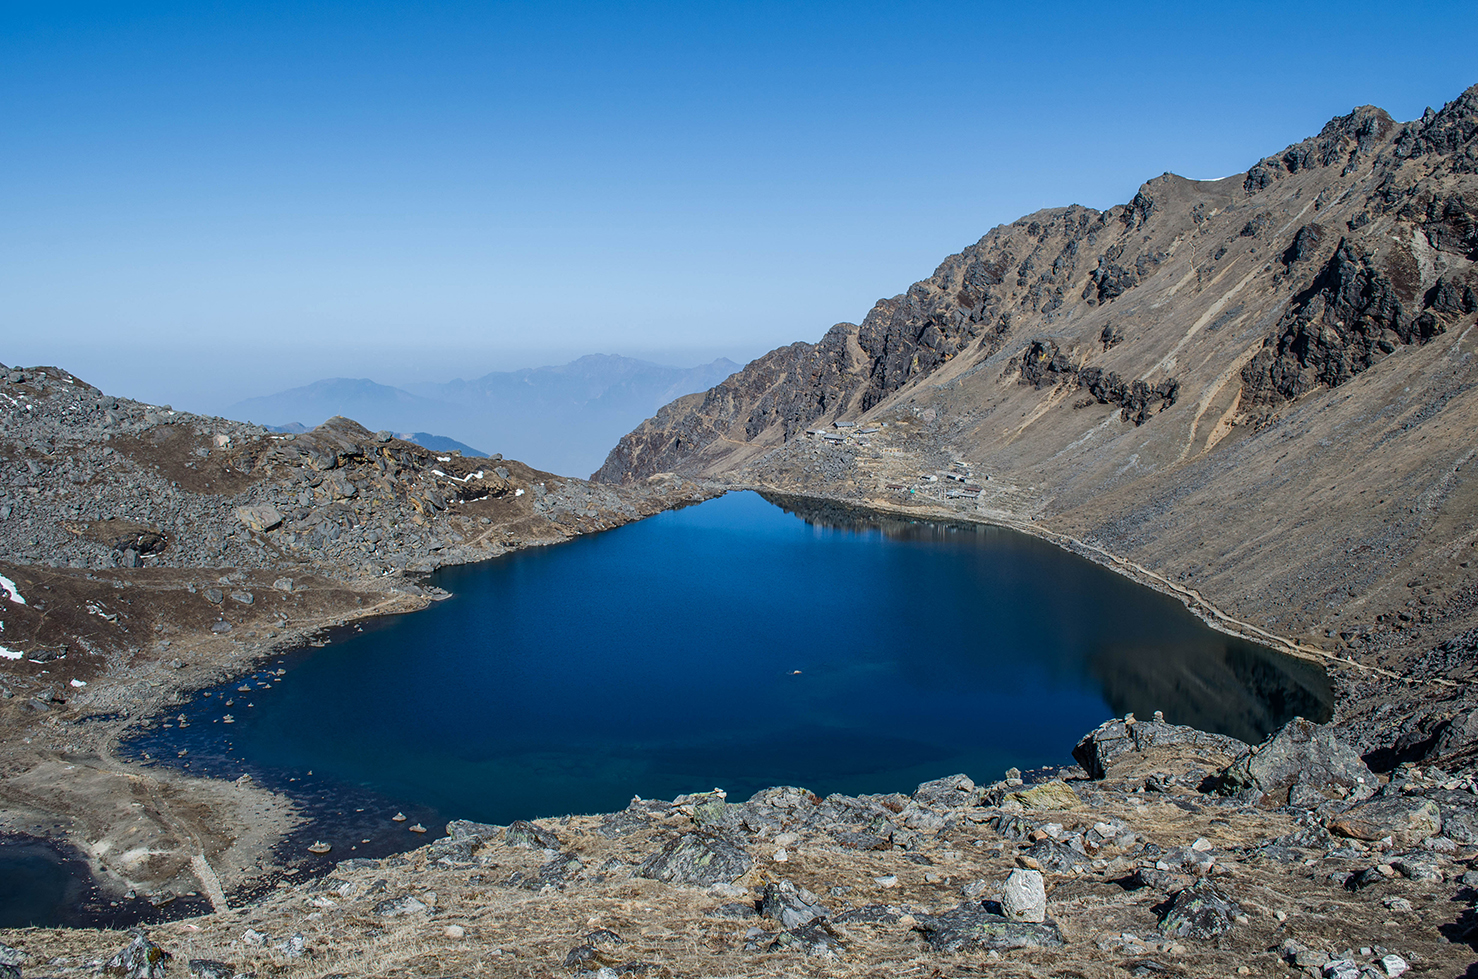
(739, 643)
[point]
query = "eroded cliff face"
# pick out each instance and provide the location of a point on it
(1260, 388)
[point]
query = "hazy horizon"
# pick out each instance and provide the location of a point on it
(206, 203)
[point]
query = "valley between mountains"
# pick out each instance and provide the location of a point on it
(1254, 393)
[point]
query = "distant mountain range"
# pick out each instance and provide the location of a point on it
(562, 419)
(436, 443)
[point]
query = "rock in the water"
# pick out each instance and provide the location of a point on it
(1112, 740)
(954, 792)
(1024, 896)
(696, 860)
(1406, 819)
(260, 518)
(1055, 794)
(1201, 911)
(139, 959)
(971, 927)
(790, 905)
(1301, 753)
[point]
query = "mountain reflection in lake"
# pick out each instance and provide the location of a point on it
(1153, 655)
(730, 644)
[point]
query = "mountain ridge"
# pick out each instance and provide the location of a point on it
(1259, 389)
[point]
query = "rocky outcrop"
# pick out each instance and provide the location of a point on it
(1055, 267)
(1301, 755)
(1347, 320)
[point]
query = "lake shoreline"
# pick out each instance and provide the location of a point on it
(297, 832)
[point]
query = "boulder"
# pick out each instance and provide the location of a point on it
(11, 960)
(1055, 794)
(530, 837)
(466, 829)
(260, 518)
(211, 969)
(709, 810)
(790, 905)
(396, 907)
(1112, 740)
(1201, 911)
(696, 860)
(969, 926)
(1302, 753)
(139, 959)
(1407, 819)
(953, 792)
(1024, 896)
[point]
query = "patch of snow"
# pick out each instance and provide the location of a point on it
(12, 592)
(9, 653)
(443, 458)
(79, 683)
(518, 492)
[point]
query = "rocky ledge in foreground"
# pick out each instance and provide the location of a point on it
(1189, 855)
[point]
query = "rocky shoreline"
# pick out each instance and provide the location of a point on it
(146, 554)
(1167, 851)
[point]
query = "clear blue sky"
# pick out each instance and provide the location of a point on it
(203, 201)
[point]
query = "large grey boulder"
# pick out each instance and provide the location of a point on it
(1112, 740)
(790, 905)
(1201, 911)
(260, 518)
(521, 833)
(1407, 819)
(139, 959)
(969, 926)
(11, 960)
(952, 792)
(696, 860)
(1302, 753)
(1024, 896)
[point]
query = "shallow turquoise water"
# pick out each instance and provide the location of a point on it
(733, 644)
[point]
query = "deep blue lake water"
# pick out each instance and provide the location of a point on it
(730, 644)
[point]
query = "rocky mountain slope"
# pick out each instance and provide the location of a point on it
(1257, 391)
(145, 552)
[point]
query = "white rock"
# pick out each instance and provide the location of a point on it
(781, 856)
(1394, 965)
(889, 881)
(455, 931)
(1024, 896)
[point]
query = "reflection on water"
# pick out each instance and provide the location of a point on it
(47, 884)
(726, 644)
(1209, 681)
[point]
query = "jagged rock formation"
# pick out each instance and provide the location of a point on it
(1258, 388)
